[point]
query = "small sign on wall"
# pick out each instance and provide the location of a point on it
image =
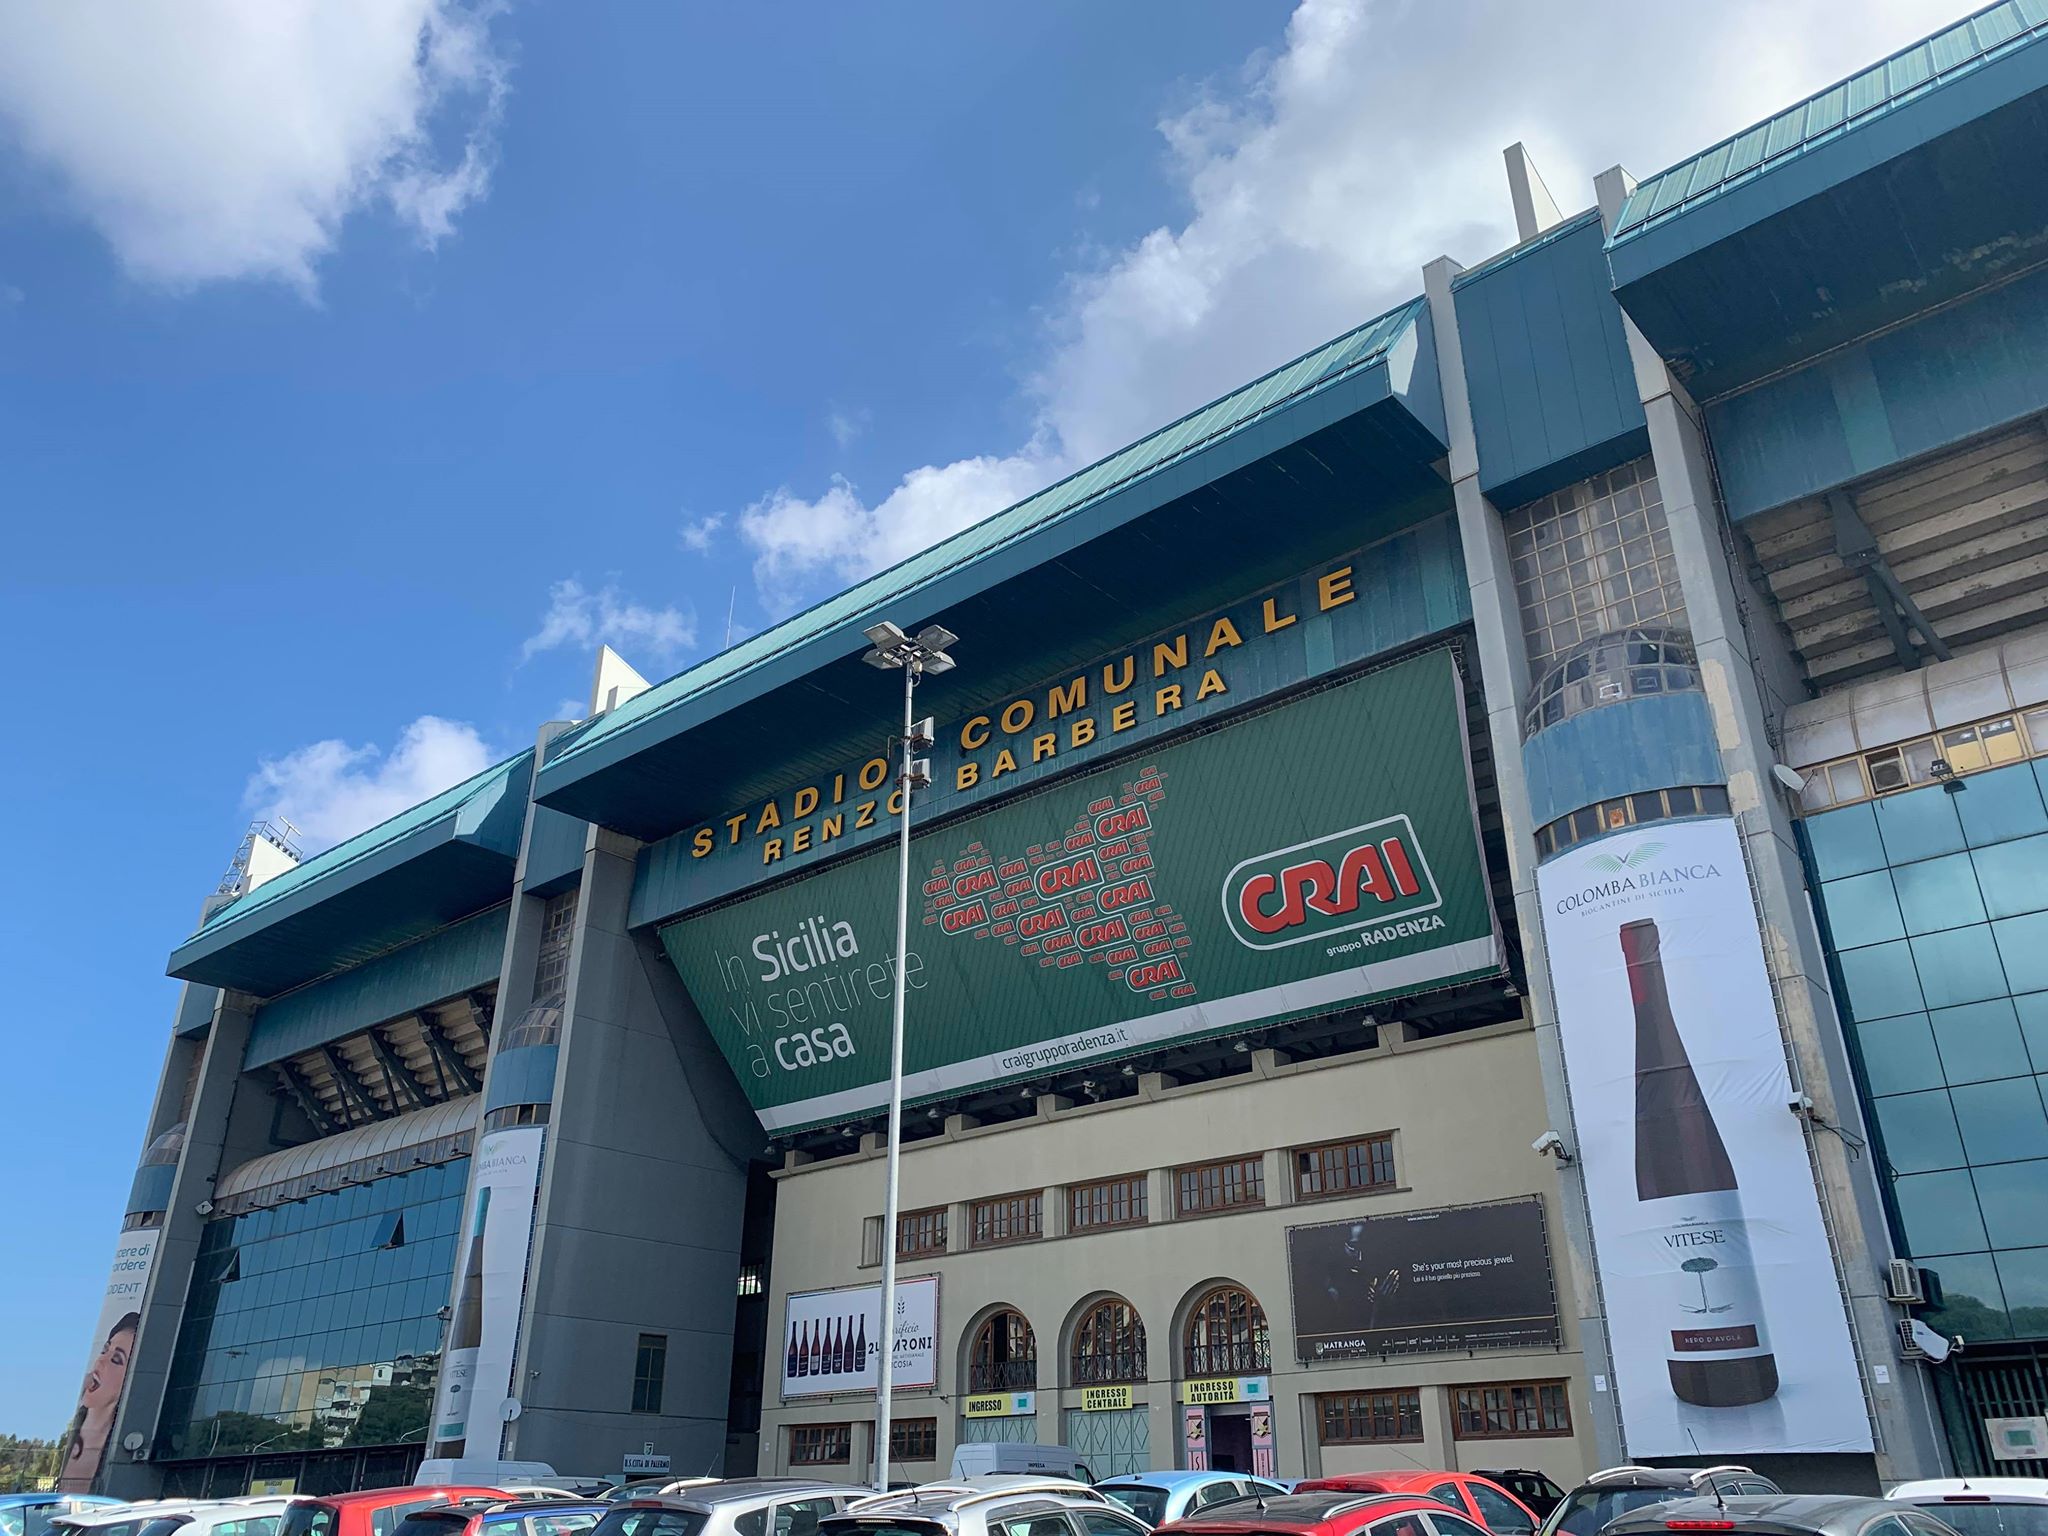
(2017, 1439)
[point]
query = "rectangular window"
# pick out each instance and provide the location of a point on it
(1371, 1418)
(913, 1439)
(1238, 1183)
(1343, 1167)
(649, 1366)
(1006, 1219)
(919, 1234)
(821, 1445)
(551, 968)
(1107, 1203)
(1510, 1410)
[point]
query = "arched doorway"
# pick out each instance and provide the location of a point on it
(1226, 1353)
(1000, 1403)
(1107, 1420)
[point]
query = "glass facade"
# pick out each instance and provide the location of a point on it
(1936, 902)
(316, 1324)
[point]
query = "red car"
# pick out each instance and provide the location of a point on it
(373, 1512)
(1492, 1506)
(1325, 1513)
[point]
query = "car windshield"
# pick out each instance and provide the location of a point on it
(441, 1521)
(308, 1519)
(1586, 1511)
(1149, 1503)
(1991, 1517)
(651, 1522)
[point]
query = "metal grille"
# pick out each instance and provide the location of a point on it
(1111, 1444)
(2014, 1387)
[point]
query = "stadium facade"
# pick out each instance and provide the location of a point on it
(1483, 902)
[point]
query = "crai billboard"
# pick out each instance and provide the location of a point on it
(1724, 1313)
(1319, 853)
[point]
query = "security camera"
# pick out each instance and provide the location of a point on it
(1550, 1144)
(1801, 1104)
(1791, 778)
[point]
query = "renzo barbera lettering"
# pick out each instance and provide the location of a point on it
(1070, 717)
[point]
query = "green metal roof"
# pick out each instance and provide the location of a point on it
(1827, 115)
(441, 859)
(1355, 351)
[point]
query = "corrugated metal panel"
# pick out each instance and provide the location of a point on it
(1660, 741)
(522, 1074)
(1547, 364)
(1329, 364)
(388, 1139)
(458, 959)
(151, 1190)
(1965, 532)
(554, 850)
(195, 1009)
(1996, 30)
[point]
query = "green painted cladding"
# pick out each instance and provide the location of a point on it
(554, 851)
(438, 967)
(1972, 368)
(1553, 393)
(1395, 592)
(1317, 854)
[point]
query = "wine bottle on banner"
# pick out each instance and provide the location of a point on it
(1719, 1351)
(860, 1345)
(789, 1357)
(465, 1337)
(835, 1350)
(817, 1349)
(803, 1352)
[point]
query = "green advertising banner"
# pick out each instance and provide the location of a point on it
(1318, 854)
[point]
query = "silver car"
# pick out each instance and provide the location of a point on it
(738, 1506)
(990, 1506)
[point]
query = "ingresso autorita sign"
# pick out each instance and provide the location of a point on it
(1320, 853)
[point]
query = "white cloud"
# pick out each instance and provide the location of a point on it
(577, 616)
(696, 535)
(331, 790)
(218, 139)
(847, 426)
(1319, 182)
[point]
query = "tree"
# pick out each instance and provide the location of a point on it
(392, 1416)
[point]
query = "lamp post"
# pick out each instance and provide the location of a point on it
(916, 657)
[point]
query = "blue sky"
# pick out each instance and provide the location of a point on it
(359, 374)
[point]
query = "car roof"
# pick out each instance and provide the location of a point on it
(1170, 1478)
(1373, 1482)
(738, 1490)
(1998, 1487)
(928, 1499)
(1803, 1511)
(405, 1494)
(1302, 1509)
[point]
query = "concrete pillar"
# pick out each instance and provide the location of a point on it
(1503, 662)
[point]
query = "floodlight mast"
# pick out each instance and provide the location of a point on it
(916, 658)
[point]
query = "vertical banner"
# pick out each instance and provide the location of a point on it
(1263, 1464)
(476, 1366)
(113, 1342)
(1194, 1420)
(1726, 1320)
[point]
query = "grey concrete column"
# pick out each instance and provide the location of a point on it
(1748, 673)
(1504, 675)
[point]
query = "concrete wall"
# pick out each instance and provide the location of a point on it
(1463, 1112)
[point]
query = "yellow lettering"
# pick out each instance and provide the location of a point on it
(736, 822)
(1177, 653)
(873, 771)
(770, 818)
(838, 787)
(1124, 716)
(1081, 732)
(806, 802)
(967, 775)
(701, 843)
(1167, 698)
(1006, 762)
(969, 740)
(1111, 683)
(1064, 701)
(1013, 722)
(1044, 746)
(1223, 633)
(896, 801)
(864, 815)
(1212, 682)
(799, 839)
(831, 827)
(1274, 618)
(771, 850)
(1334, 589)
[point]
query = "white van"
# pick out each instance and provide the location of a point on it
(1019, 1460)
(480, 1472)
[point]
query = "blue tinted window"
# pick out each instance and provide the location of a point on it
(1919, 824)
(2023, 943)
(2014, 1197)
(1862, 910)
(1980, 1041)
(1845, 842)
(1960, 966)
(2014, 876)
(1939, 893)
(2004, 803)
(1939, 1213)
(1899, 1054)
(1919, 1132)
(2002, 1122)
(2025, 1277)
(1881, 980)
(2033, 1012)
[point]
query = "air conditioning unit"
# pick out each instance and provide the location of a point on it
(1903, 1284)
(1909, 1344)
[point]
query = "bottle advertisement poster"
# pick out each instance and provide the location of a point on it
(84, 1450)
(490, 1283)
(1724, 1315)
(831, 1340)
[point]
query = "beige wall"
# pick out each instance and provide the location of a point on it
(1463, 1112)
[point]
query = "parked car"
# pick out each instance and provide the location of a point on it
(1157, 1497)
(1531, 1487)
(372, 1512)
(148, 1517)
(515, 1517)
(1489, 1504)
(30, 1514)
(1326, 1512)
(1781, 1514)
(1982, 1506)
(738, 1506)
(1002, 1506)
(656, 1487)
(1019, 1459)
(1617, 1491)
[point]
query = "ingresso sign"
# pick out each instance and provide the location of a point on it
(1322, 853)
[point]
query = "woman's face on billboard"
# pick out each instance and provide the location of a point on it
(103, 1381)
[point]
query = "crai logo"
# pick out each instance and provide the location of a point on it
(1360, 878)
(1613, 863)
